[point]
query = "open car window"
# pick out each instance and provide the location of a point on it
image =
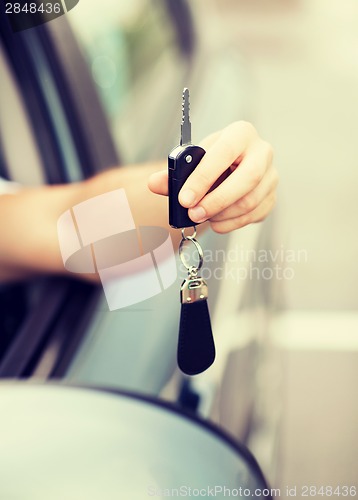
(137, 64)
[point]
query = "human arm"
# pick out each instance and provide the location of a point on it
(28, 222)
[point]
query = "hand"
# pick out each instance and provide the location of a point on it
(248, 193)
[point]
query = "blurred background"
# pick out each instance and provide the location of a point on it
(302, 61)
(291, 68)
(302, 58)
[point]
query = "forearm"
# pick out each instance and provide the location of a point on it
(28, 223)
(28, 231)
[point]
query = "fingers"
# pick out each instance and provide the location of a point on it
(210, 139)
(251, 200)
(244, 178)
(246, 195)
(257, 215)
(226, 150)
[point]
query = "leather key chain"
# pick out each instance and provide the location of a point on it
(196, 348)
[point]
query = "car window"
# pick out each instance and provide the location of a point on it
(121, 42)
(133, 55)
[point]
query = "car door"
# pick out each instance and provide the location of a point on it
(92, 93)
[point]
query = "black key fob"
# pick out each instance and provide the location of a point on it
(196, 347)
(182, 161)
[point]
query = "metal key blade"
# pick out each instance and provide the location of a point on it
(185, 121)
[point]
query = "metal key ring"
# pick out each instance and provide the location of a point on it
(183, 235)
(198, 249)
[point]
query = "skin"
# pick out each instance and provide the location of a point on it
(29, 245)
(249, 192)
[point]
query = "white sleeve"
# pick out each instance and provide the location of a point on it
(7, 187)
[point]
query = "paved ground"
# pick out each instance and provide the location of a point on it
(302, 60)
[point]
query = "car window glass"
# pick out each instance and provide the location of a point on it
(129, 47)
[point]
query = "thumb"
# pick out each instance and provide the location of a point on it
(158, 182)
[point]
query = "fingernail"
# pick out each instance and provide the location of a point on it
(197, 214)
(187, 197)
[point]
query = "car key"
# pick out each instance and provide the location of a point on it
(196, 348)
(182, 161)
